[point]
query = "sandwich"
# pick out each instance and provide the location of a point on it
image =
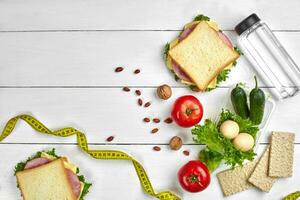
(48, 176)
(202, 55)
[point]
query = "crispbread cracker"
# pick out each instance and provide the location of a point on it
(259, 178)
(236, 180)
(281, 154)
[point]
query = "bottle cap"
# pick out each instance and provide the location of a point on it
(246, 23)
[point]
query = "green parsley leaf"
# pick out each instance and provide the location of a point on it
(234, 63)
(209, 89)
(166, 49)
(219, 148)
(223, 75)
(20, 167)
(176, 77)
(193, 87)
(52, 153)
(201, 18)
(238, 50)
(81, 178)
(85, 187)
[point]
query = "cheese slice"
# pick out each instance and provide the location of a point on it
(70, 166)
(45, 155)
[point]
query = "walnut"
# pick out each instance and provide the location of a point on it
(164, 92)
(175, 143)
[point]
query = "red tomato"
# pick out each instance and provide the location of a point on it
(187, 111)
(194, 176)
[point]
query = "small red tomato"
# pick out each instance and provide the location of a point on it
(194, 176)
(187, 111)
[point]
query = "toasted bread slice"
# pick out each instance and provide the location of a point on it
(202, 55)
(46, 182)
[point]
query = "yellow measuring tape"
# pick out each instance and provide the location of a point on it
(97, 154)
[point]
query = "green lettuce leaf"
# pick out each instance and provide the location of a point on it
(201, 18)
(223, 75)
(211, 158)
(85, 187)
(219, 148)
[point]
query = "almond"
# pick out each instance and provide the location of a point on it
(155, 130)
(126, 89)
(119, 69)
(168, 120)
(110, 138)
(138, 92)
(147, 104)
(156, 120)
(156, 148)
(146, 119)
(137, 71)
(140, 102)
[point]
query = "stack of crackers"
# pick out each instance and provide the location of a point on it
(276, 162)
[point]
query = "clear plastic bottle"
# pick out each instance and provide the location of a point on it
(268, 57)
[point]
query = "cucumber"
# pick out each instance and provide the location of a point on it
(257, 104)
(239, 102)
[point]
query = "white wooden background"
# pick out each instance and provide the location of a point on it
(57, 61)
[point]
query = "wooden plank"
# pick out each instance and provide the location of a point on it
(102, 112)
(148, 14)
(105, 174)
(89, 58)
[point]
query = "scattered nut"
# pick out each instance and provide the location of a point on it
(156, 148)
(140, 102)
(186, 153)
(147, 104)
(146, 119)
(126, 89)
(138, 92)
(155, 130)
(168, 120)
(156, 120)
(137, 71)
(119, 69)
(164, 92)
(175, 143)
(110, 138)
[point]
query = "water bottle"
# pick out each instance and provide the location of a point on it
(269, 58)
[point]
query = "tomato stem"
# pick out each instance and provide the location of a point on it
(189, 111)
(194, 179)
